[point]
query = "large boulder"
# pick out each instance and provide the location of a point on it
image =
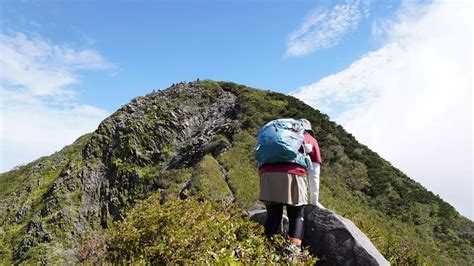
(337, 240)
(334, 239)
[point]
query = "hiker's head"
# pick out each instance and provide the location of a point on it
(307, 126)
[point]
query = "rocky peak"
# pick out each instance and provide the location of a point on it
(183, 116)
(198, 138)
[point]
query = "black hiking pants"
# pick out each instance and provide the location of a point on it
(295, 217)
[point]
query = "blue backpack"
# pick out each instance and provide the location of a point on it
(280, 141)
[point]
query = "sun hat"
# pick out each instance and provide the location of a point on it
(306, 124)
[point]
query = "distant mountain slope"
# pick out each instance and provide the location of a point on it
(198, 138)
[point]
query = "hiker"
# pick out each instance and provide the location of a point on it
(286, 184)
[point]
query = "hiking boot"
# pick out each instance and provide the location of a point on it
(292, 249)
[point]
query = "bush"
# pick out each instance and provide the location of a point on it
(209, 181)
(191, 232)
(241, 169)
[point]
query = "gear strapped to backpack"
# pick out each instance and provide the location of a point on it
(281, 141)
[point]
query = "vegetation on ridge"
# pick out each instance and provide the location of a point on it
(180, 140)
(189, 231)
(407, 223)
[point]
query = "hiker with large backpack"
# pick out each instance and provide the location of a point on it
(289, 162)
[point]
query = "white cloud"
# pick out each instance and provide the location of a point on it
(39, 109)
(42, 67)
(411, 100)
(325, 28)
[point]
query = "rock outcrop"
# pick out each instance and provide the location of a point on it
(198, 138)
(332, 238)
(337, 240)
(133, 153)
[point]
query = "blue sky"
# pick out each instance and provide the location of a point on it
(396, 74)
(154, 44)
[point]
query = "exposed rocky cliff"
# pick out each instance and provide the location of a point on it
(198, 138)
(127, 158)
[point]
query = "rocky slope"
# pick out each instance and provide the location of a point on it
(198, 138)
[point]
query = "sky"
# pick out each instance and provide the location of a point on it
(395, 74)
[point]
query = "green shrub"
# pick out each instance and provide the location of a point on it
(209, 181)
(5, 250)
(241, 169)
(406, 222)
(191, 232)
(212, 87)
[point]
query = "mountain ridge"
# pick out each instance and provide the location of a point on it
(155, 142)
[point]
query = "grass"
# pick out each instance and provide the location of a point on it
(209, 181)
(241, 169)
(407, 223)
(36, 182)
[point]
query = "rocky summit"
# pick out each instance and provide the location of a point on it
(197, 140)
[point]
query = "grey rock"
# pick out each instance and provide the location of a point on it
(259, 216)
(20, 214)
(337, 240)
(334, 239)
(65, 173)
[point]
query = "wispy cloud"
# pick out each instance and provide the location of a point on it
(325, 28)
(39, 106)
(41, 67)
(411, 100)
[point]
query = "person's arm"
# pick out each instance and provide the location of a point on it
(314, 172)
(316, 152)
